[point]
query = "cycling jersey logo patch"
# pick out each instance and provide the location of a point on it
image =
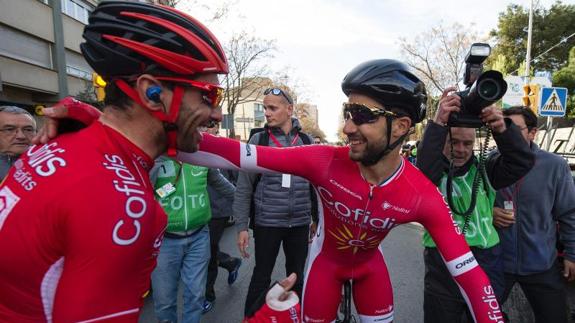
(7, 202)
(345, 240)
(387, 206)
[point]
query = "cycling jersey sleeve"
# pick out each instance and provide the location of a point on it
(310, 161)
(473, 282)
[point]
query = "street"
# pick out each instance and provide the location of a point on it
(403, 253)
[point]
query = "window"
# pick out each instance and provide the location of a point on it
(23, 47)
(77, 66)
(76, 9)
(259, 112)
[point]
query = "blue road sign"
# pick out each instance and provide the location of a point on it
(553, 102)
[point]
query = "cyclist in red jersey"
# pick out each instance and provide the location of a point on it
(365, 189)
(79, 227)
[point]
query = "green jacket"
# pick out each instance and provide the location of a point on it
(188, 207)
(480, 231)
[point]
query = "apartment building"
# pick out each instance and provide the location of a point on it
(40, 58)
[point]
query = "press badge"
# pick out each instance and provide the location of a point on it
(166, 190)
(286, 180)
(508, 205)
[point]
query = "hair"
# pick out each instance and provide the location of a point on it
(117, 98)
(528, 115)
(16, 110)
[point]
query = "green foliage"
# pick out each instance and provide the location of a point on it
(565, 77)
(550, 27)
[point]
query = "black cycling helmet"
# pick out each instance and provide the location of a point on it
(130, 38)
(390, 83)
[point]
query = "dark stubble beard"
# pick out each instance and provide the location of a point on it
(373, 153)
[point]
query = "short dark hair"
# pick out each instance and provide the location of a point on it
(528, 115)
(117, 98)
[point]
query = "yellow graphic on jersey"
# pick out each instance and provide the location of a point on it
(346, 240)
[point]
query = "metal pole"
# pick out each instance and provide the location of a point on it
(548, 132)
(59, 49)
(529, 33)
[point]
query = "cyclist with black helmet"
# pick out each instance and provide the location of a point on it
(79, 227)
(365, 189)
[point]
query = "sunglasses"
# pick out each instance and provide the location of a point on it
(360, 113)
(277, 91)
(212, 94)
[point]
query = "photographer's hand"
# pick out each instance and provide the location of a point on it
(448, 103)
(493, 118)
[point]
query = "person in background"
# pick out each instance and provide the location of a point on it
(283, 208)
(17, 128)
(181, 189)
(221, 209)
(441, 146)
(526, 216)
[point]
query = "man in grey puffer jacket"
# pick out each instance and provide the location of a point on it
(282, 203)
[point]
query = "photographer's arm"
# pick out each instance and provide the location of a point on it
(514, 158)
(430, 159)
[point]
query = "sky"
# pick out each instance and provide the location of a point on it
(319, 41)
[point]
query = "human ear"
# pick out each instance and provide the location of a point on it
(150, 91)
(401, 126)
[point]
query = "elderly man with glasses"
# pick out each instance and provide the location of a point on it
(17, 127)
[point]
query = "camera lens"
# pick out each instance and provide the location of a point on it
(489, 89)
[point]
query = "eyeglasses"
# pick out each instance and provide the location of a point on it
(360, 113)
(213, 94)
(28, 131)
(277, 91)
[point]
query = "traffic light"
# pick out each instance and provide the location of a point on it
(526, 92)
(531, 96)
(99, 86)
(38, 109)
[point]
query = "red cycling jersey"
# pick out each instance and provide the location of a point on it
(79, 230)
(355, 216)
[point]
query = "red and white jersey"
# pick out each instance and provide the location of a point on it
(355, 216)
(79, 230)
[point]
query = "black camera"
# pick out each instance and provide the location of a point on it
(482, 89)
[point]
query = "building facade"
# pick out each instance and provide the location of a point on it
(40, 58)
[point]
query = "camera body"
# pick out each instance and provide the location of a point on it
(482, 89)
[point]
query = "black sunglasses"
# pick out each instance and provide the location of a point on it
(361, 113)
(278, 91)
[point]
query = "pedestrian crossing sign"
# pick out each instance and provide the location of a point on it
(553, 102)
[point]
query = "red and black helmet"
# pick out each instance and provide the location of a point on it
(390, 83)
(130, 38)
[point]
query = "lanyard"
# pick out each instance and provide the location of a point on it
(275, 140)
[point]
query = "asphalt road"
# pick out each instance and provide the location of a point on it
(403, 253)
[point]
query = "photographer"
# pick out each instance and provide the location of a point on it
(440, 145)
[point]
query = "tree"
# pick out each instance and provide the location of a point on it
(438, 55)
(565, 77)
(301, 111)
(246, 78)
(550, 27)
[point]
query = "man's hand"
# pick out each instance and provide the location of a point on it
(502, 218)
(243, 241)
(493, 118)
(569, 270)
(448, 103)
(312, 230)
(65, 108)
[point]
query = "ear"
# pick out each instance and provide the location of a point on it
(290, 110)
(143, 83)
(400, 126)
(532, 134)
